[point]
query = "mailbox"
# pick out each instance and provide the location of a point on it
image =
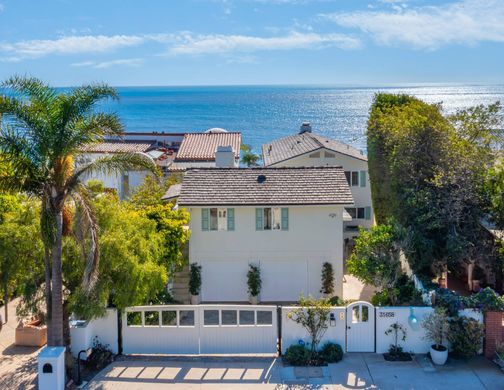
(51, 368)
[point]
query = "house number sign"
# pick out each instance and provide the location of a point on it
(387, 314)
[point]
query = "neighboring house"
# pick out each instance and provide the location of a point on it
(123, 183)
(214, 147)
(306, 149)
(289, 221)
(172, 152)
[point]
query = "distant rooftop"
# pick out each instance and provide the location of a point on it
(265, 186)
(202, 146)
(296, 145)
(120, 146)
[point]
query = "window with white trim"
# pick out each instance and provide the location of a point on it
(272, 218)
(359, 212)
(217, 218)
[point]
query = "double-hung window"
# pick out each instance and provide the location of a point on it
(217, 218)
(272, 218)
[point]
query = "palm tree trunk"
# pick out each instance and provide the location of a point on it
(47, 263)
(57, 284)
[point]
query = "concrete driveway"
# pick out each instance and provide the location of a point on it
(356, 371)
(18, 365)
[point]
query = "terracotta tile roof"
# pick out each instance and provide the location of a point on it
(116, 146)
(296, 145)
(265, 186)
(202, 146)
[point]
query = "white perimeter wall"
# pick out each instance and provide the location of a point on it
(415, 341)
(105, 328)
(291, 261)
(293, 332)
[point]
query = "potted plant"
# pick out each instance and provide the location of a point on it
(437, 327)
(327, 289)
(254, 283)
(195, 283)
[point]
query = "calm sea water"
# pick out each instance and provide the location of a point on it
(264, 113)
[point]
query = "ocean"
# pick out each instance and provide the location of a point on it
(264, 113)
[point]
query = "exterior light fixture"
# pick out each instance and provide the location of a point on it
(413, 321)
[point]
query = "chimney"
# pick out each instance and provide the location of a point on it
(305, 128)
(224, 157)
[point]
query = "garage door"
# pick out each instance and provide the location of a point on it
(224, 281)
(283, 280)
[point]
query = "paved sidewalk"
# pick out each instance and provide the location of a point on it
(356, 371)
(18, 365)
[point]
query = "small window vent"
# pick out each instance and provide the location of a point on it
(261, 178)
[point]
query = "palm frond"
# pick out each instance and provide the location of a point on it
(119, 162)
(30, 87)
(90, 129)
(20, 162)
(82, 99)
(86, 234)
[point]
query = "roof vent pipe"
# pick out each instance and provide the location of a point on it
(305, 128)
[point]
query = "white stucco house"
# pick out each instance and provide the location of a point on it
(307, 149)
(289, 221)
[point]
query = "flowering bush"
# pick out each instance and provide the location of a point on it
(466, 336)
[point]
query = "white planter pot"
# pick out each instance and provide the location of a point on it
(439, 357)
(254, 299)
(195, 299)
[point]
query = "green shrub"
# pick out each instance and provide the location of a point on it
(381, 298)
(254, 281)
(297, 355)
(466, 335)
(336, 301)
(195, 279)
(327, 279)
(331, 352)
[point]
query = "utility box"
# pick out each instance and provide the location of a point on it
(51, 368)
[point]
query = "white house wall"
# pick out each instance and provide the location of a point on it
(113, 180)
(291, 261)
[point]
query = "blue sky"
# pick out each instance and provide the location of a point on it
(207, 42)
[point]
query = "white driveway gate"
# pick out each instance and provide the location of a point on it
(360, 321)
(200, 329)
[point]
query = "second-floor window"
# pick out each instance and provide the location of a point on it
(359, 212)
(217, 218)
(356, 178)
(272, 218)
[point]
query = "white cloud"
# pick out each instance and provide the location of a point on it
(214, 44)
(108, 64)
(70, 45)
(465, 22)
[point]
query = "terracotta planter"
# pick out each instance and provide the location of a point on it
(254, 299)
(195, 300)
(439, 357)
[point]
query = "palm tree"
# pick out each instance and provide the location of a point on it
(249, 158)
(41, 132)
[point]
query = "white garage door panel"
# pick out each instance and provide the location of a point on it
(224, 281)
(283, 280)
